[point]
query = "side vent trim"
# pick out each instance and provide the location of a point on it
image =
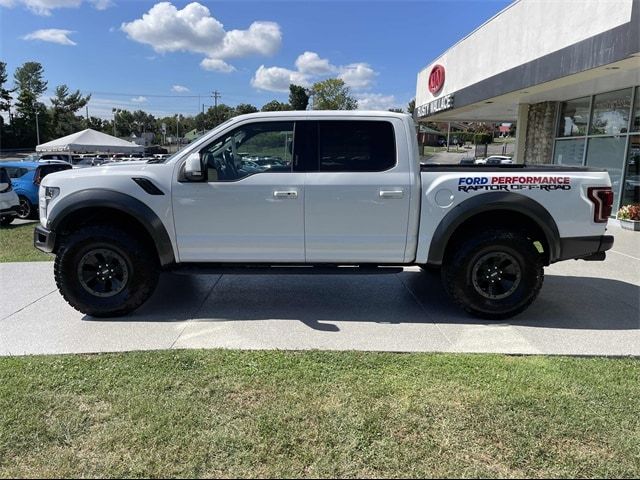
(148, 186)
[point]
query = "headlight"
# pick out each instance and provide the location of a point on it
(47, 194)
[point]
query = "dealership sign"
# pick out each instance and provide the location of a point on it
(436, 79)
(438, 105)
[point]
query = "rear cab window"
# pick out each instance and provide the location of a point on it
(356, 146)
(344, 146)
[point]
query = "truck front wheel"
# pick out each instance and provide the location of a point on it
(105, 272)
(495, 274)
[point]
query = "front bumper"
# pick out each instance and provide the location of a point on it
(44, 239)
(585, 248)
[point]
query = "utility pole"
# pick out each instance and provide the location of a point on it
(87, 112)
(216, 95)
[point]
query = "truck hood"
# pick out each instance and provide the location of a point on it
(102, 172)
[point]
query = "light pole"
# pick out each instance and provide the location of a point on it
(177, 129)
(114, 121)
(37, 128)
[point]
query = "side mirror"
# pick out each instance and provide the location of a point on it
(193, 170)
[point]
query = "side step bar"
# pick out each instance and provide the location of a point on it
(211, 269)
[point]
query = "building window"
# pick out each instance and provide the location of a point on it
(569, 152)
(608, 153)
(574, 117)
(631, 186)
(598, 127)
(635, 123)
(610, 115)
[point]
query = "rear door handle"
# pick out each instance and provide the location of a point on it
(391, 193)
(285, 194)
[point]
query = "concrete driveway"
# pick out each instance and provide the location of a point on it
(585, 308)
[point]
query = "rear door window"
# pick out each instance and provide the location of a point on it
(45, 170)
(356, 146)
(4, 176)
(16, 172)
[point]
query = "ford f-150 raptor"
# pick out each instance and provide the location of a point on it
(305, 192)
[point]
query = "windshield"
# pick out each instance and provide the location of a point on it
(179, 152)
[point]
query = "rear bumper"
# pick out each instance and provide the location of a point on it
(585, 248)
(44, 239)
(9, 212)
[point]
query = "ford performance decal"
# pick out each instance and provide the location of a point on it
(548, 184)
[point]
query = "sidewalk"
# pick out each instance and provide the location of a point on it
(585, 308)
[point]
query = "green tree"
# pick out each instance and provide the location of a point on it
(396, 110)
(333, 94)
(244, 108)
(298, 97)
(30, 83)
(98, 124)
(5, 94)
(275, 106)
(64, 106)
(411, 106)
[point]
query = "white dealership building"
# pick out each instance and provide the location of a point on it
(566, 71)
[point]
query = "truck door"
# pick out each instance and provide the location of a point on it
(251, 206)
(357, 195)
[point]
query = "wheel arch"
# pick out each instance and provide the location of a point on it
(511, 210)
(94, 206)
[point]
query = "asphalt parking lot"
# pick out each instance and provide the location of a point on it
(585, 308)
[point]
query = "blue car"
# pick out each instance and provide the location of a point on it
(26, 178)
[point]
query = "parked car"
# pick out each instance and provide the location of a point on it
(66, 157)
(467, 161)
(26, 178)
(9, 202)
(356, 199)
(498, 160)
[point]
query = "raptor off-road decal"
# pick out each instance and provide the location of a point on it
(505, 183)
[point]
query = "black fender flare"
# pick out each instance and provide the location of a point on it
(487, 202)
(102, 198)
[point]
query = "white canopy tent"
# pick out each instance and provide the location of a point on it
(89, 141)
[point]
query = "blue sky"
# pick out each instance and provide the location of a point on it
(160, 57)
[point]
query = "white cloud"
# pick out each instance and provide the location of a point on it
(193, 29)
(217, 65)
(277, 79)
(53, 35)
(44, 7)
(179, 89)
(357, 75)
(310, 63)
(139, 99)
(310, 68)
(102, 4)
(376, 101)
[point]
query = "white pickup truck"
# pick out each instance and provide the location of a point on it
(308, 192)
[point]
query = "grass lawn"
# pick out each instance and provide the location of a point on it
(16, 244)
(290, 414)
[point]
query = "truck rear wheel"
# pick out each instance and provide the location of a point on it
(105, 272)
(494, 275)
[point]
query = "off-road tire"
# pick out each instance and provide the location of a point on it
(465, 255)
(141, 261)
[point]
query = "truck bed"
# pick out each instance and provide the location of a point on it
(443, 167)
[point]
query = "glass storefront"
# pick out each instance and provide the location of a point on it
(603, 131)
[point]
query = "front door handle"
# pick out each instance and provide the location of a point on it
(285, 194)
(398, 193)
